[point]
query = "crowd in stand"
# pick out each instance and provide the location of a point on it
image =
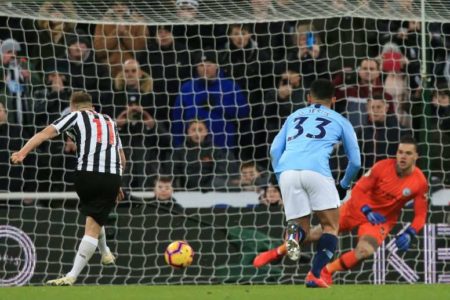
(202, 103)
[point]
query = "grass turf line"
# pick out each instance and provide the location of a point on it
(229, 292)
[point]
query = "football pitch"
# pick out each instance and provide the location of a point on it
(229, 292)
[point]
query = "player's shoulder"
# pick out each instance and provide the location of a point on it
(70, 114)
(386, 162)
(107, 117)
(385, 165)
(420, 176)
(343, 120)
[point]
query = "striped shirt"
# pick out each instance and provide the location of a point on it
(97, 140)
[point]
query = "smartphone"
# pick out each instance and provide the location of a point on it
(310, 40)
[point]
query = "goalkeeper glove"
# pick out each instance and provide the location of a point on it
(404, 240)
(373, 217)
(341, 191)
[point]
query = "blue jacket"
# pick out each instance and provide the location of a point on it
(219, 103)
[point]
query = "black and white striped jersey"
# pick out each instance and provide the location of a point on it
(97, 140)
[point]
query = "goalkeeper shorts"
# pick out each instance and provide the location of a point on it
(97, 193)
(350, 218)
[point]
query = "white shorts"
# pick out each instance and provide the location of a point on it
(305, 191)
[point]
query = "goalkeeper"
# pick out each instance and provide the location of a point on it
(374, 207)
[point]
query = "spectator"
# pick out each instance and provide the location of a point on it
(271, 195)
(10, 141)
(169, 63)
(52, 34)
(269, 35)
(213, 98)
(439, 135)
(249, 66)
(194, 36)
(52, 100)
(307, 52)
(186, 10)
(201, 165)
(353, 88)
(85, 73)
(395, 84)
(163, 198)
(252, 179)
(131, 86)
(407, 36)
(15, 80)
(144, 141)
(378, 139)
(116, 43)
(279, 103)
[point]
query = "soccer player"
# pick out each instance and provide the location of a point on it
(300, 158)
(374, 207)
(97, 178)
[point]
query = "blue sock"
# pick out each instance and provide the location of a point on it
(325, 250)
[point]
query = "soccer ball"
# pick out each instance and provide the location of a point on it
(179, 254)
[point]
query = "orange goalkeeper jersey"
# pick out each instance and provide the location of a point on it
(386, 193)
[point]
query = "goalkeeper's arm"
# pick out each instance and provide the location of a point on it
(403, 240)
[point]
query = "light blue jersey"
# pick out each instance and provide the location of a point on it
(306, 142)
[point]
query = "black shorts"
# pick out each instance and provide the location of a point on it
(97, 193)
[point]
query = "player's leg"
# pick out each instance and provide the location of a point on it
(279, 252)
(295, 236)
(325, 203)
(97, 193)
(86, 249)
(296, 233)
(326, 246)
(107, 257)
(297, 210)
(270, 256)
(370, 237)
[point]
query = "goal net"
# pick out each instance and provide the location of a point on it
(199, 89)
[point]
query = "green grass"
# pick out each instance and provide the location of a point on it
(229, 292)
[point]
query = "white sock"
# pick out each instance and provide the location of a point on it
(85, 251)
(104, 249)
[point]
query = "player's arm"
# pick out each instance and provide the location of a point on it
(123, 162)
(403, 240)
(63, 124)
(351, 148)
(420, 211)
(278, 145)
(361, 190)
(47, 133)
(366, 183)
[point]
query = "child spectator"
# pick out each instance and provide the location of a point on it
(271, 195)
(251, 178)
(200, 165)
(163, 197)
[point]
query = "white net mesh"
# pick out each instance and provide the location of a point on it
(224, 74)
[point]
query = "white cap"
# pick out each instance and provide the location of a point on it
(190, 3)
